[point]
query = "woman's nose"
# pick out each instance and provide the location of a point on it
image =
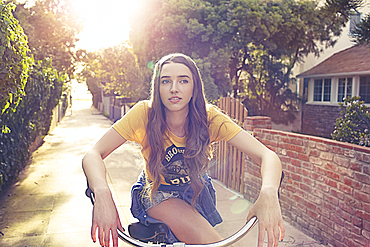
(174, 87)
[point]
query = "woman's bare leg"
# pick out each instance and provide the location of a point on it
(188, 225)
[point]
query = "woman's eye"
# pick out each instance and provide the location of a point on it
(165, 81)
(184, 81)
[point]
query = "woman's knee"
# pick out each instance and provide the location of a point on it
(185, 222)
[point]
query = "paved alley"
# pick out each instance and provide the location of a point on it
(47, 206)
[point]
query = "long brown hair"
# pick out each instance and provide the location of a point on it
(197, 150)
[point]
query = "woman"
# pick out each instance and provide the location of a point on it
(175, 129)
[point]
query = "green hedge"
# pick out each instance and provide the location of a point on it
(32, 118)
(14, 62)
(354, 124)
(29, 91)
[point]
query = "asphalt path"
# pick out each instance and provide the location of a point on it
(47, 206)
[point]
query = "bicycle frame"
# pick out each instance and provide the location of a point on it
(226, 242)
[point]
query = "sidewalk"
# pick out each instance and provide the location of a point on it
(47, 206)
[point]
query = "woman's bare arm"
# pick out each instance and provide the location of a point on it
(267, 207)
(105, 215)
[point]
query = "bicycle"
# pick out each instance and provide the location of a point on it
(140, 234)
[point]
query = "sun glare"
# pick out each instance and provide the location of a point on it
(105, 23)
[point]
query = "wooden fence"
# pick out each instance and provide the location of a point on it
(229, 165)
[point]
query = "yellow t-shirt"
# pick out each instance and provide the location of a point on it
(132, 127)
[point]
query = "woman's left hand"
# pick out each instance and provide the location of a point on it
(267, 210)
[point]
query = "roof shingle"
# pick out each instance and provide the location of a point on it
(354, 59)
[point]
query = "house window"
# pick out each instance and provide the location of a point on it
(354, 19)
(322, 90)
(344, 88)
(365, 88)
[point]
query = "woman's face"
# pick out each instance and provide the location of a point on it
(176, 87)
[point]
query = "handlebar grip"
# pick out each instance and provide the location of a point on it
(90, 194)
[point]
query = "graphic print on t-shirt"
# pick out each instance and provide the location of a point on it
(176, 171)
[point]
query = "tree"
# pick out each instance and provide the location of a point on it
(354, 124)
(361, 35)
(116, 71)
(270, 38)
(186, 26)
(14, 65)
(29, 90)
(51, 27)
(259, 64)
(253, 44)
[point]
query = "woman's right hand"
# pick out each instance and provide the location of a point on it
(105, 215)
(105, 219)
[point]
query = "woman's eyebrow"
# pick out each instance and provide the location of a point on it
(167, 76)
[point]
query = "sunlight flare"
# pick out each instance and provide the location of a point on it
(105, 23)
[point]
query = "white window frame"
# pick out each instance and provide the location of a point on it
(368, 103)
(334, 89)
(346, 93)
(311, 92)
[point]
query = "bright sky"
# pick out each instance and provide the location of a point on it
(105, 23)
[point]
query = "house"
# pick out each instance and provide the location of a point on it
(346, 73)
(306, 75)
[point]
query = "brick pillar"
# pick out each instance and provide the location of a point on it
(257, 122)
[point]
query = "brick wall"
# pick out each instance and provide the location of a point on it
(257, 122)
(326, 191)
(319, 120)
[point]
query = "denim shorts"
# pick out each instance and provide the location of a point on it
(205, 203)
(158, 197)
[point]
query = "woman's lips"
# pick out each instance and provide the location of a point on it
(174, 99)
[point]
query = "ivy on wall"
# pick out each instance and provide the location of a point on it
(29, 90)
(15, 63)
(31, 119)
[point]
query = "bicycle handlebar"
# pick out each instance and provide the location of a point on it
(226, 242)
